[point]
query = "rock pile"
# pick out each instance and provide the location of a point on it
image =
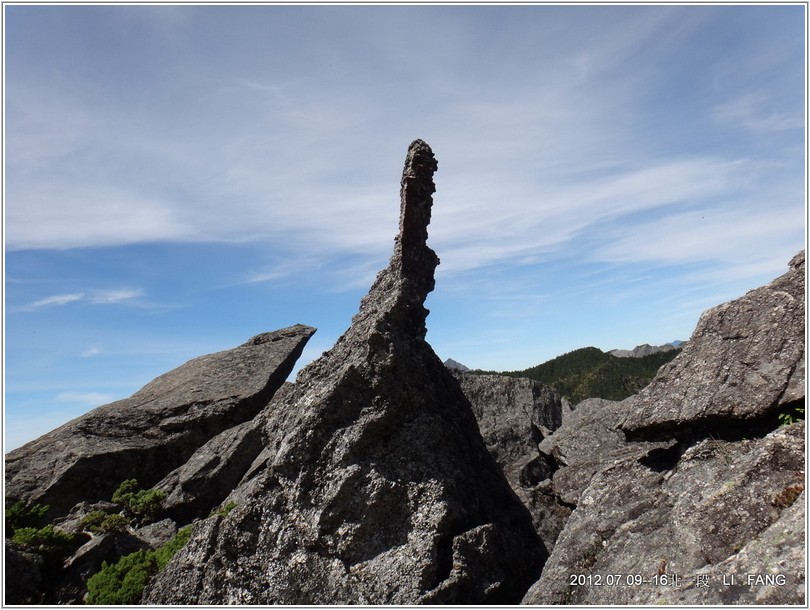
(693, 490)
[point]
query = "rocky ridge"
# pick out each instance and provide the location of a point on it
(698, 481)
(640, 351)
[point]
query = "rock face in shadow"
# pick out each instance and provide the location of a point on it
(155, 430)
(375, 486)
(514, 416)
(692, 491)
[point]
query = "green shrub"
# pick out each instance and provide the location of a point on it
(20, 515)
(142, 503)
(123, 583)
(99, 522)
(92, 520)
(223, 511)
(113, 523)
(164, 554)
(126, 490)
(45, 541)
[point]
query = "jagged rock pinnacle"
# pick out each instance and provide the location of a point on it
(418, 261)
(396, 299)
(374, 485)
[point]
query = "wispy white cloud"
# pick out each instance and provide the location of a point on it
(55, 300)
(93, 350)
(96, 297)
(737, 236)
(90, 399)
(108, 297)
(759, 113)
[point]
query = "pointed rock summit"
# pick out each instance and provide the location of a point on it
(374, 485)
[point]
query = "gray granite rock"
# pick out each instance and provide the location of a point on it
(212, 472)
(727, 508)
(155, 430)
(684, 490)
(744, 361)
(375, 486)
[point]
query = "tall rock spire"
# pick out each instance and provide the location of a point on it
(418, 261)
(400, 290)
(375, 486)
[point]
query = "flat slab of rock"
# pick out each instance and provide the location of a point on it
(212, 472)
(155, 430)
(744, 360)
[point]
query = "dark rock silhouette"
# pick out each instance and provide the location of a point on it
(155, 430)
(694, 483)
(375, 485)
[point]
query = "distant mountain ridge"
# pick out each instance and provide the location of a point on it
(589, 372)
(646, 350)
(457, 366)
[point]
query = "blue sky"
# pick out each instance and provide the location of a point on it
(181, 178)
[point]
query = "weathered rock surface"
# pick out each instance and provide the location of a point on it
(744, 361)
(155, 430)
(720, 500)
(588, 440)
(212, 472)
(375, 485)
(514, 415)
(680, 489)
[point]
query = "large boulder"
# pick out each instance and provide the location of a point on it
(691, 491)
(375, 486)
(155, 430)
(744, 362)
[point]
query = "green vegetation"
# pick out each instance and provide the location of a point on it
(20, 514)
(99, 522)
(591, 373)
(223, 510)
(791, 413)
(46, 540)
(144, 504)
(25, 525)
(123, 582)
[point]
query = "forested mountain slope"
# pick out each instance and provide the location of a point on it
(591, 373)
